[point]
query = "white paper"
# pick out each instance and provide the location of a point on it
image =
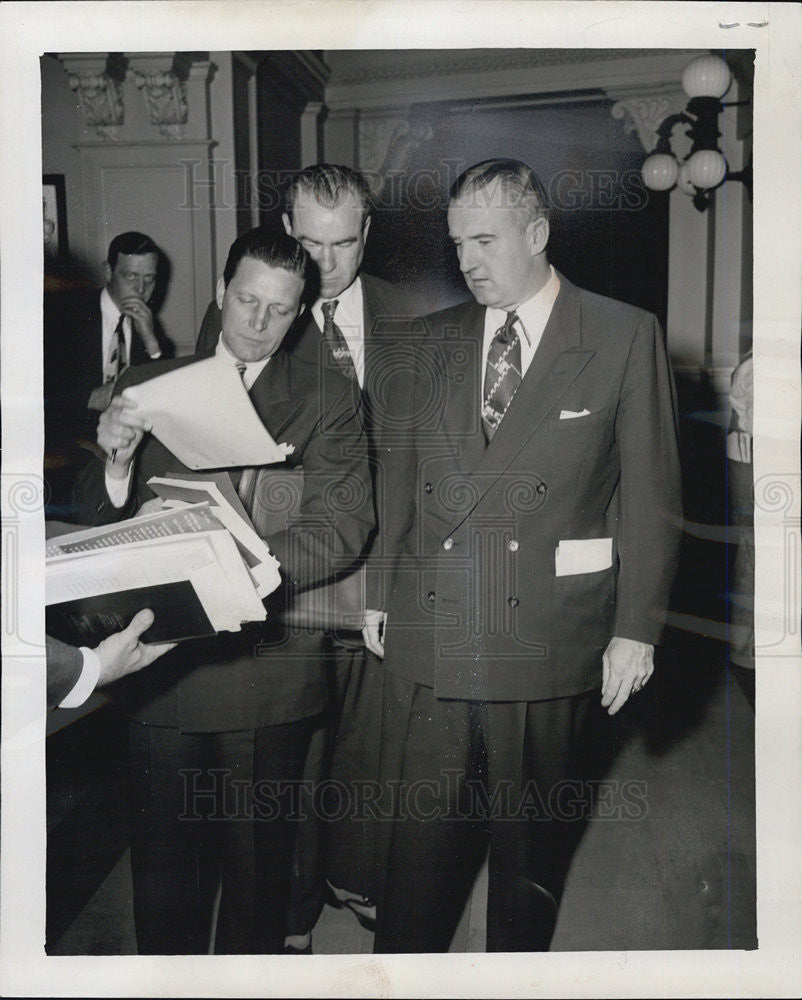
(202, 413)
(573, 414)
(265, 572)
(583, 555)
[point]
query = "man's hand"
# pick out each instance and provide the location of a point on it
(142, 319)
(123, 653)
(373, 632)
(626, 666)
(119, 432)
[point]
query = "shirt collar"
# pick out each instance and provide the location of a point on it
(531, 312)
(348, 301)
(253, 369)
(108, 309)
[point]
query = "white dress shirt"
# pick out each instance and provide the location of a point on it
(532, 318)
(350, 318)
(253, 369)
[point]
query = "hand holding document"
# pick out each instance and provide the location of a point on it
(202, 413)
(182, 564)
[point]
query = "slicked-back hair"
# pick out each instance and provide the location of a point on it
(520, 184)
(329, 184)
(130, 243)
(273, 249)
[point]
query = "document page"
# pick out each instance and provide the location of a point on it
(202, 413)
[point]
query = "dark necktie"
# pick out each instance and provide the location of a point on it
(333, 336)
(502, 375)
(119, 355)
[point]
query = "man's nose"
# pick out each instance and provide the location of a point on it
(466, 258)
(139, 285)
(325, 260)
(259, 318)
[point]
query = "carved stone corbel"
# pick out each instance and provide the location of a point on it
(166, 100)
(100, 92)
(645, 115)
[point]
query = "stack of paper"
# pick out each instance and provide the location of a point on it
(179, 490)
(184, 565)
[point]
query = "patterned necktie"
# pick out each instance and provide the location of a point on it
(502, 375)
(119, 356)
(245, 482)
(333, 336)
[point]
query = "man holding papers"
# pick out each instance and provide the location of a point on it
(220, 727)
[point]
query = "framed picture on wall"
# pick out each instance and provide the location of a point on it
(54, 210)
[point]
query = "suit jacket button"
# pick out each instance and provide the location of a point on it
(448, 544)
(428, 487)
(541, 487)
(513, 602)
(430, 597)
(512, 545)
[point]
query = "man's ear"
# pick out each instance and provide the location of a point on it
(107, 271)
(365, 228)
(539, 234)
(220, 292)
(287, 224)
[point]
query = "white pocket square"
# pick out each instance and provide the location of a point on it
(582, 555)
(572, 414)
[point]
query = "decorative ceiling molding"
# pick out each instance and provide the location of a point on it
(97, 80)
(375, 80)
(366, 66)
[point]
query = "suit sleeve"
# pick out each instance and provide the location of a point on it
(64, 666)
(650, 504)
(336, 510)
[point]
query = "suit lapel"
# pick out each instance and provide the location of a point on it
(271, 396)
(558, 360)
(462, 419)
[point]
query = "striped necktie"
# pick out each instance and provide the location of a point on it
(118, 361)
(502, 375)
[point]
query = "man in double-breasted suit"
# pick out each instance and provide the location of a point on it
(539, 539)
(220, 730)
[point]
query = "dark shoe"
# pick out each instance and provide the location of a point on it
(356, 904)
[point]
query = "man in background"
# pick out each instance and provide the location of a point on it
(90, 339)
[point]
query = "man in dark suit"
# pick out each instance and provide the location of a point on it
(540, 541)
(92, 338)
(89, 339)
(220, 730)
(328, 212)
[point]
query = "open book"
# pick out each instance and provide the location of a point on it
(184, 565)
